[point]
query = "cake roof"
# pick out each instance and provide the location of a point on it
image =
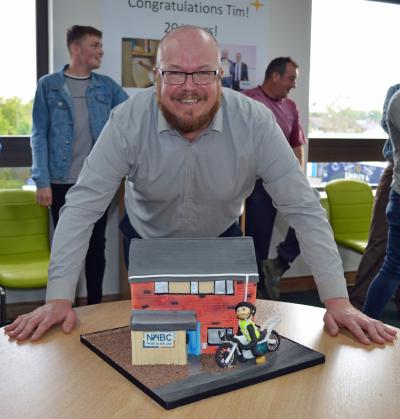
(201, 259)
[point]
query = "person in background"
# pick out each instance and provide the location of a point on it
(226, 64)
(238, 72)
(387, 281)
(190, 152)
(280, 78)
(375, 251)
(70, 109)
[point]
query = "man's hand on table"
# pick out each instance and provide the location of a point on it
(340, 313)
(35, 324)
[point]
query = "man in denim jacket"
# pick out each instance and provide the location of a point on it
(70, 109)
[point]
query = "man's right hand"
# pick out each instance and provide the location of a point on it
(44, 197)
(35, 324)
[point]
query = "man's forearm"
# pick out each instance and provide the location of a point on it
(69, 248)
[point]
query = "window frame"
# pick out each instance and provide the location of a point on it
(16, 150)
(325, 150)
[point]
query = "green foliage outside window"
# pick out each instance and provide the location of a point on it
(15, 116)
(14, 177)
(343, 121)
(15, 119)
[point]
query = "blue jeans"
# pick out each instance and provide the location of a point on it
(387, 280)
(129, 233)
(260, 218)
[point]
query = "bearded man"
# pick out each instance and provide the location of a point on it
(191, 152)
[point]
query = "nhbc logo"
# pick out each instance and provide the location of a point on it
(159, 339)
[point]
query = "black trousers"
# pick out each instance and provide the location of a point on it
(95, 258)
(260, 218)
(130, 233)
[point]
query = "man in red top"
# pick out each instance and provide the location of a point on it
(280, 78)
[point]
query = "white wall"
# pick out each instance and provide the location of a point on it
(288, 33)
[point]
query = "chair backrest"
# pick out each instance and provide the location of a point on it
(24, 225)
(350, 208)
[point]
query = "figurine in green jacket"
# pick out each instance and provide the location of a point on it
(245, 312)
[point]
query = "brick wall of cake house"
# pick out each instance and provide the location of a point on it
(205, 305)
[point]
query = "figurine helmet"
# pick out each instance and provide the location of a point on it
(251, 306)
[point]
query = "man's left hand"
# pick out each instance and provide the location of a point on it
(340, 313)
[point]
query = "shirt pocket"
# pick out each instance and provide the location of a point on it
(103, 99)
(59, 111)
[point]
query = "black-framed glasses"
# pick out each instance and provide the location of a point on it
(198, 77)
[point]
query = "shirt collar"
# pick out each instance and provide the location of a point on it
(269, 97)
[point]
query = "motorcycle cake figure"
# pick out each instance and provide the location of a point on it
(250, 341)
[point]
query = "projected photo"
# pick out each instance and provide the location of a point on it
(138, 60)
(239, 64)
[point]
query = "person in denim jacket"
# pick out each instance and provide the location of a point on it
(70, 109)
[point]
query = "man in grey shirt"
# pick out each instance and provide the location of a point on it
(191, 153)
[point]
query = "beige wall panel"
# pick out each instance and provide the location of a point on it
(206, 287)
(179, 287)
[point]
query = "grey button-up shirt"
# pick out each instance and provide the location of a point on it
(178, 188)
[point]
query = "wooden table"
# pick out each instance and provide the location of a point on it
(60, 378)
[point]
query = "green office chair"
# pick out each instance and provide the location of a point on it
(24, 243)
(350, 208)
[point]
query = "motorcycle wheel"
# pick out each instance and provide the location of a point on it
(273, 342)
(222, 353)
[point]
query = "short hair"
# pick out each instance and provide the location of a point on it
(278, 65)
(247, 304)
(77, 32)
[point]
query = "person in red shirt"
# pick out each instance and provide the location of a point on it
(280, 78)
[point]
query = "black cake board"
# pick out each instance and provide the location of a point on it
(201, 378)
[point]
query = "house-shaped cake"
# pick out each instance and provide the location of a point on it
(184, 291)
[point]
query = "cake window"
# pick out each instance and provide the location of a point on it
(161, 287)
(213, 336)
(220, 287)
(194, 287)
(229, 287)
